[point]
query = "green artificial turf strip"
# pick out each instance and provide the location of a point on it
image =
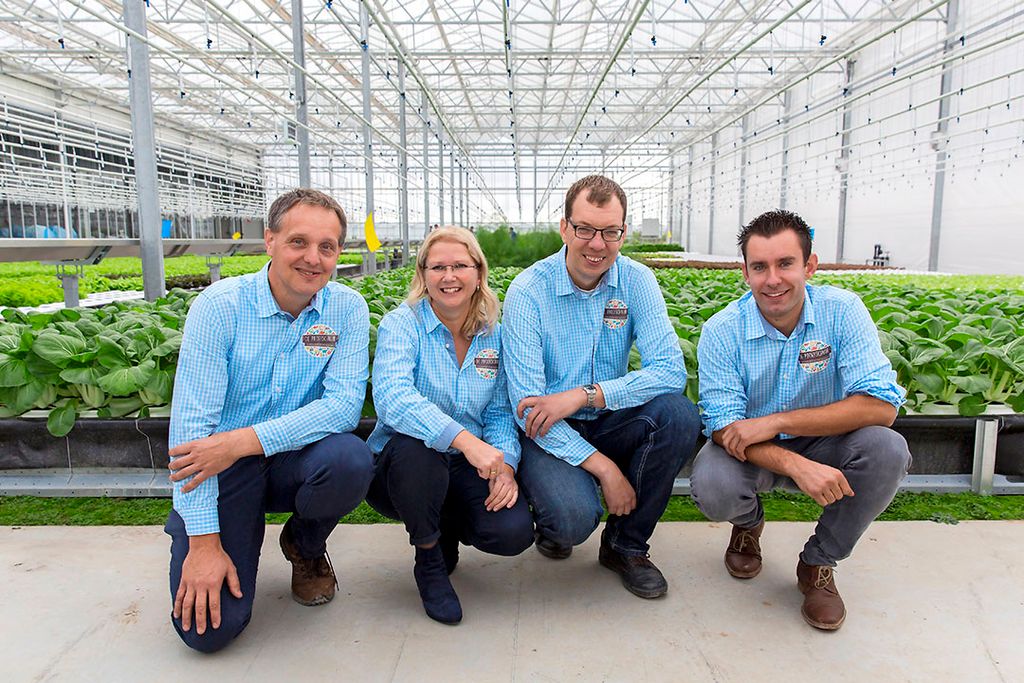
(779, 506)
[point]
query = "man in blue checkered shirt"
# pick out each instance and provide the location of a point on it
(271, 378)
(795, 389)
(569, 323)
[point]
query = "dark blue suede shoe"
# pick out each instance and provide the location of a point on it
(439, 599)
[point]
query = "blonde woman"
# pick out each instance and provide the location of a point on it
(445, 445)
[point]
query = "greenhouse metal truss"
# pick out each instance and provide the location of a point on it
(466, 111)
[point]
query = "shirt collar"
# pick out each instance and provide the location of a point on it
(266, 304)
(757, 326)
(564, 284)
(431, 322)
(426, 313)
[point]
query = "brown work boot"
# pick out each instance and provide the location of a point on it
(313, 581)
(743, 556)
(823, 607)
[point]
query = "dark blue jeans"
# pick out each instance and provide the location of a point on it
(434, 492)
(650, 443)
(319, 484)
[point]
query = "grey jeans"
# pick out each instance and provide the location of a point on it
(873, 459)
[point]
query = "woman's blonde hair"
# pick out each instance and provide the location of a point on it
(483, 306)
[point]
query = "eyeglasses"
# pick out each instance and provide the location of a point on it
(585, 232)
(457, 268)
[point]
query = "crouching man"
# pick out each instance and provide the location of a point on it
(569, 323)
(271, 378)
(795, 389)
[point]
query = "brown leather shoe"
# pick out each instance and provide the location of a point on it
(313, 581)
(823, 607)
(743, 556)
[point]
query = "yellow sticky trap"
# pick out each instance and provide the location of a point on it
(236, 235)
(372, 243)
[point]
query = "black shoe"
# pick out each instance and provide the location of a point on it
(639, 575)
(449, 550)
(439, 599)
(551, 550)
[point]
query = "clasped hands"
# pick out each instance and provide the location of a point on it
(823, 483)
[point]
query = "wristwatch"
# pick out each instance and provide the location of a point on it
(591, 392)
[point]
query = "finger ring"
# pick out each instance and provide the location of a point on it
(493, 472)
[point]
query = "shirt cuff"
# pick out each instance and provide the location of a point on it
(272, 437)
(713, 425)
(614, 391)
(573, 452)
(200, 521)
(512, 460)
(444, 440)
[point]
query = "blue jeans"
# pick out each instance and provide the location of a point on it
(650, 443)
(319, 484)
(434, 493)
(873, 460)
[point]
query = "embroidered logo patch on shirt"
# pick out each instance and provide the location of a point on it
(486, 363)
(615, 314)
(319, 341)
(814, 356)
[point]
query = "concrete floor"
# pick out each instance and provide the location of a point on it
(926, 602)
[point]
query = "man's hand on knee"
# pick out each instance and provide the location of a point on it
(824, 484)
(209, 456)
(203, 572)
(619, 496)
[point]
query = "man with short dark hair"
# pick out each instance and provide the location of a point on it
(271, 378)
(570, 321)
(795, 390)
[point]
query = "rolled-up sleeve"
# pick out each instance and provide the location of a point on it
(863, 367)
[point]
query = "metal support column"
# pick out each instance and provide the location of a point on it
(744, 160)
(65, 196)
(144, 144)
(369, 265)
(302, 129)
(451, 179)
(844, 162)
(465, 199)
(403, 165)
(985, 431)
(213, 263)
(440, 174)
(939, 137)
(688, 246)
(426, 163)
(462, 200)
(536, 209)
(711, 201)
(68, 274)
(787, 103)
(671, 194)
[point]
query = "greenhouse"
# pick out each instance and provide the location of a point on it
(146, 147)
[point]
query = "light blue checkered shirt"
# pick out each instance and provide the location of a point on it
(558, 337)
(245, 363)
(748, 368)
(420, 390)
